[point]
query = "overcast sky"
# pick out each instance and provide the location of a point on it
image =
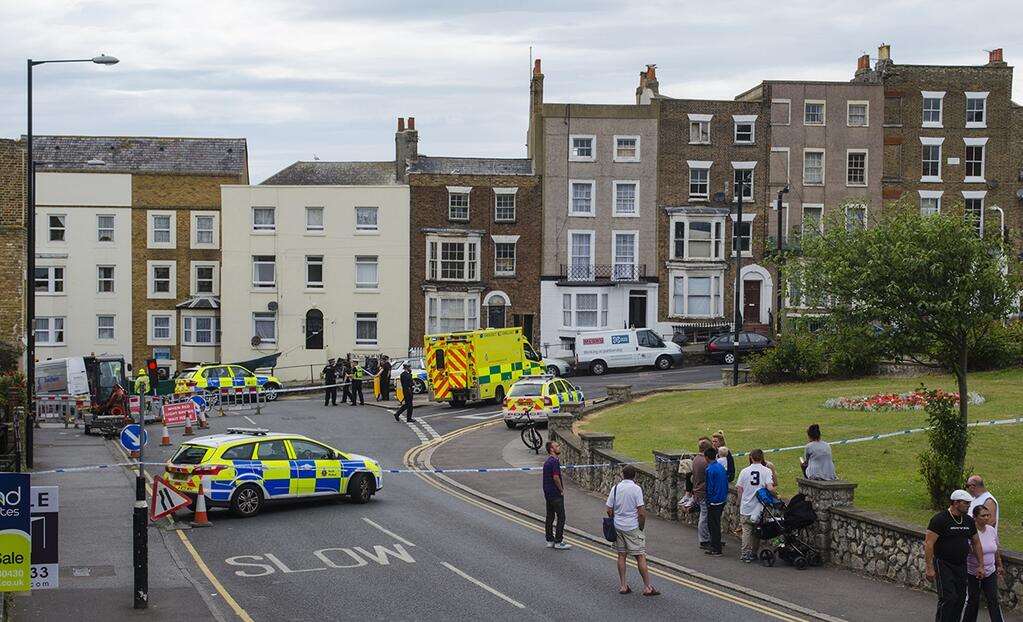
(304, 77)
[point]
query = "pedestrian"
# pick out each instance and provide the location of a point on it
(817, 462)
(986, 580)
(358, 373)
(700, 491)
(625, 505)
(344, 374)
(384, 376)
(405, 380)
(975, 486)
(329, 374)
(717, 439)
(554, 495)
(142, 382)
(717, 495)
(751, 479)
(946, 547)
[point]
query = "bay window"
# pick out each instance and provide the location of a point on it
(584, 310)
(697, 294)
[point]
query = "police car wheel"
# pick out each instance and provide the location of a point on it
(361, 488)
(247, 501)
(663, 362)
(270, 389)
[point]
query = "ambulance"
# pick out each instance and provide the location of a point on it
(478, 365)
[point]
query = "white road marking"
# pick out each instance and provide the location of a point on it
(480, 416)
(388, 532)
(483, 585)
(429, 429)
(419, 432)
(246, 417)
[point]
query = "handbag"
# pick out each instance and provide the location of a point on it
(610, 533)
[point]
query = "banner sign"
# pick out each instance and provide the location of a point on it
(176, 414)
(45, 567)
(15, 531)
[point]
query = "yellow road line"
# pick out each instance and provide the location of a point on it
(241, 613)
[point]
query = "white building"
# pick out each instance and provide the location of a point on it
(316, 266)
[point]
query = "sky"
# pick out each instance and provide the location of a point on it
(327, 79)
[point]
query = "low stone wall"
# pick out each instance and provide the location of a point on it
(728, 376)
(903, 369)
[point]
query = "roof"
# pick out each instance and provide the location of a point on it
(471, 166)
(142, 154)
(334, 174)
(200, 302)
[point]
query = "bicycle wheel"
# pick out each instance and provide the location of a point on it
(531, 437)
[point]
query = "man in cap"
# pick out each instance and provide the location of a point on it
(406, 393)
(329, 374)
(946, 547)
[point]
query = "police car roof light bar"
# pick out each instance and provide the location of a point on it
(250, 431)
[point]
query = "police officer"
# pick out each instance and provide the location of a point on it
(406, 393)
(142, 382)
(358, 373)
(329, 374)
(344, 374)
(385, 379)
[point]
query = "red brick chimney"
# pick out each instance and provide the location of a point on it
(411, 124)
(647, 88)
(862, 65)
(994, 57)
(536, 68)
(401, 124)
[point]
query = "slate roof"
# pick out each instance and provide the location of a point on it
(698, 210)
(334, 174)
(471, 166)
(199, 302)
(142, 154)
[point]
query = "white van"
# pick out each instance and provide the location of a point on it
(628, 347)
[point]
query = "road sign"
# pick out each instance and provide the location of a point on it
(165, 499)
(177, 413)
(199, 401)
(15, 532)
(133, 437)
(44, 573)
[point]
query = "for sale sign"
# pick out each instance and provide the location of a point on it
(176, 414)
(15, 531)
(44, 573)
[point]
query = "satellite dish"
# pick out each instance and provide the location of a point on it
(256, 340)
(271, 306)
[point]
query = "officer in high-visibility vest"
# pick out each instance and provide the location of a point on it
(142, 382)
(358, 373)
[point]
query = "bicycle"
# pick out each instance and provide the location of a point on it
(531, 436)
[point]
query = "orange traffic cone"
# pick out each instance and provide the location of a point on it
(200, 519)
(188, 427)
(203, 421)
(134, 454)
(165, 438)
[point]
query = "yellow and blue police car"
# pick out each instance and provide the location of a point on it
(213, 377)
(539, 396)
(248, 467)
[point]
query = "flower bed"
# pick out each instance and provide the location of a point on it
(913, 400)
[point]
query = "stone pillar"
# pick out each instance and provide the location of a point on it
(619, 392)
(666, 464)
(591, 441)
(824, 496)
(560, 423)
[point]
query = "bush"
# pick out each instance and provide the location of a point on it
(1002, 347)
(797, 356)
(12, 380)
(948, 438)
(10, 356)
(853, 352)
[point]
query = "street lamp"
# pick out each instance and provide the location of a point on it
(737, 248)
(30, 255)
(778, 320)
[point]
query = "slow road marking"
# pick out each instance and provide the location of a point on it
(483, 585)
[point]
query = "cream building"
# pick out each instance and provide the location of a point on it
(316, 266)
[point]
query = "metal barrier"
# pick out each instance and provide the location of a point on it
(66, 408)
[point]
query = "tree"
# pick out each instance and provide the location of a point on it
(930, 285)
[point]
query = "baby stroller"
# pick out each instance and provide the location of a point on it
(777, 527)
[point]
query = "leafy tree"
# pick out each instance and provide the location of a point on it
(929, 285)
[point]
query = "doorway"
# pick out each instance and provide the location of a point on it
(751, 302)
(496, 317)
(637, 308)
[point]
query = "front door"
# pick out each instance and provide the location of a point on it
(637, 308)
(751, 302)
(496, 316)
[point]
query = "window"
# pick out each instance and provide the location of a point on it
(49, 331)
(581, 198)
(858, 114)
(365, 329)
(161, 228)
(161, 280)
(49, 280)
(314, 219)
(366, 272)
(161, 327)
(580, 255)
(57, 227)
(504, 258)
(742, 182)
(105, 228)
(204, 279)
(699, 183)
(105, 327)
(626, 149)
(813, 219)
(781, 111)
(307, 450)
(264, 219)
(930, 160)
(366, 219)
(696, 295)
(625, 256)
(855, 217)
(626, 200)
(744, 128)
(314, 271)
(931, 107)
(264, 326)
(452, 260)
(314, 329)
(205, 230)
(975, 160)
(271, 450)
(105, 279)
(199, 330)
(239, 452)
(973, 210)
(976, 109)
(699, 129)
(451, 313)
(930, 205)
(856, 168)
(566, 309)
(813, 112)
(584, 310)
(264, 271)
(813, 167)
(504, 204)
(581, 148)
(698, 239)
(742, 236)
(458, 203)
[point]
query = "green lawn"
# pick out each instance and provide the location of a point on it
(886, 470)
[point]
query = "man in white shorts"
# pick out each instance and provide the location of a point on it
(625, 505)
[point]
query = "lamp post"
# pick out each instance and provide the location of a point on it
(737, 247)
(778, 320)
(30, 255)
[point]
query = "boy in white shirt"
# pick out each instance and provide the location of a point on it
(751, 479)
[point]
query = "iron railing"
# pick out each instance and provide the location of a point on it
(618, 272)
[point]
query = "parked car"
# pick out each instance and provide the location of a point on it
(556, 367)
(720, 348)
(628, 347)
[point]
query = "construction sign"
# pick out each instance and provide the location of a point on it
(165, 499)
(178, 413)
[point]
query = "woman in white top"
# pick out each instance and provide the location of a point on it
(984, 579)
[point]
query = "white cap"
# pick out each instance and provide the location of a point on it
(961, 495)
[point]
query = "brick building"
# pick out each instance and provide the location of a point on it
(475, 259)
(12, 241)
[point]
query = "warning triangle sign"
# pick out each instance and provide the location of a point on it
(165, 499)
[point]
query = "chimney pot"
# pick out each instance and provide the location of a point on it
(651, 72)
(536, 67)
(884, 52)
(995, 56)
(863, 62)
(401, 124)
(411, 124)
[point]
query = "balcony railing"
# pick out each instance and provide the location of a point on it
(619, 272)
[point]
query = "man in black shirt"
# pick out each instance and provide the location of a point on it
(385, 379)
(946, 547)
(329, 379)
(406, 393)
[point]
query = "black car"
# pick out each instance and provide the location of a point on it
(720, 349)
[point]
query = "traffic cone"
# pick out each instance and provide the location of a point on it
(165, 438)
(203, 421)
(134, 454)
(188, 427)
(200, 519)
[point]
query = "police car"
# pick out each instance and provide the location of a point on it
(539, 396)
(248, 467)
(213, 377)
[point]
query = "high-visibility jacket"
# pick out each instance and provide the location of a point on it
(358, 372)
(142, 384)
